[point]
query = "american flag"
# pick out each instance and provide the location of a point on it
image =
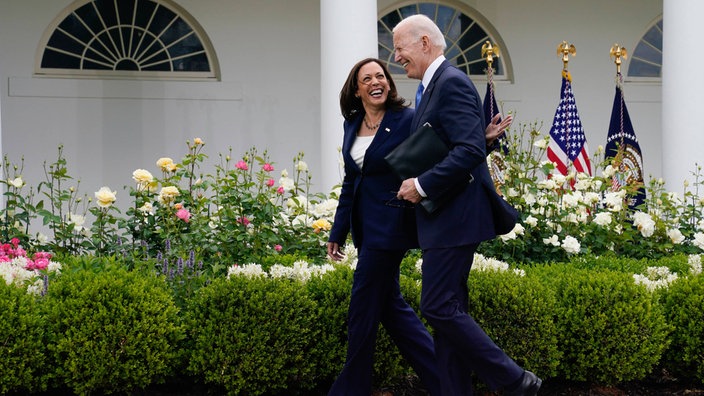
(623, 150)
(568, 144)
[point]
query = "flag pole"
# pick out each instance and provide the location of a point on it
(617, 53)
(489, 51)
(564, 50)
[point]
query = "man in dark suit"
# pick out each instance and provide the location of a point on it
(450, 235)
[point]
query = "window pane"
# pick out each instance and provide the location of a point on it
(125, 35)
(647, 57)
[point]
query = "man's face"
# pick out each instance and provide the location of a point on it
(408, 51)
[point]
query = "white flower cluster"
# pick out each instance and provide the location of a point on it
(349, 253)
(570, 244)
(300, 271)
(250, 270)
(15, 272)
(655, 278)
(482, 263)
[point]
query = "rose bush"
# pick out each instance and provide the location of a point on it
(242, 212)
(235, 215)
(563, 216)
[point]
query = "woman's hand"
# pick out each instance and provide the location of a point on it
(334, 251)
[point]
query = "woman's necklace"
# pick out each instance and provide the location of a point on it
(372, 127)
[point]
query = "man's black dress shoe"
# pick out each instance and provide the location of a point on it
(530, 383)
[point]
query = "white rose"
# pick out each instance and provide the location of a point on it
(571, 245)
(541, 143)
(675, 236)
(531, 221)
(553, 240)
(146, 208)
(644, 223)
(16, 182)
(603, 219)
(287, 183)
(698, 240)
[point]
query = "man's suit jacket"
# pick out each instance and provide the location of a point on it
(368, 206)
(452, 105)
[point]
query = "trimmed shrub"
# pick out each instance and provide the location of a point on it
(684, 307)
(22, 352)
(610, 329)
(253, 336)
(111, 331)
(517, 313)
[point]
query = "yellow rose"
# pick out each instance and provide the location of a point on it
(143, 177)
(321, 224)
(165, 164)
(168, 193)
(105, 197)
(198, 141)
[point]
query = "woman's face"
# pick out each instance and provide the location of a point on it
(372, 85)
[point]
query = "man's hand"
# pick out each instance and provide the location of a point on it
(495, 128)
(408, 192)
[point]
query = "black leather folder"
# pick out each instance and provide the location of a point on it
(420, 152)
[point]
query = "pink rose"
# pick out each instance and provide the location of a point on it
(15, 242)
(42, 255)
(241, 165)
(268, 167)
(280, 190)
(270, 182)
(277, 248)
(41, 264)
(243, 220)
(183, 214)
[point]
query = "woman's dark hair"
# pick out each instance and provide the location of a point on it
(350, 105)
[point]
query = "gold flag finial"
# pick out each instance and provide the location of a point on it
(617, 54)
(564, 50)
(490, 51)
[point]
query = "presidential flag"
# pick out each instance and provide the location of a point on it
(490, 110)
(568, 144)
(623, 151)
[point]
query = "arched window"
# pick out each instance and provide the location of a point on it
(126, 39)
(646, 60)
(465, 32)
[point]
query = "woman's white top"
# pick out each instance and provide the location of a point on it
(359, 147)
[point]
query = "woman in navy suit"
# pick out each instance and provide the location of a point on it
(383, 229)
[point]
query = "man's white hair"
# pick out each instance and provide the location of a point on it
(420, 25)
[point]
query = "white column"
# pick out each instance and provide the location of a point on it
(2, 155)
(682, 87)
(348, 34)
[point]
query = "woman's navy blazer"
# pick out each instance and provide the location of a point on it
(367, 205)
